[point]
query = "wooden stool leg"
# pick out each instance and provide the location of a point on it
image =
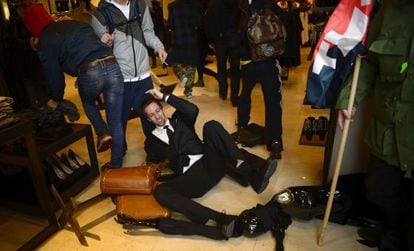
(67, 216)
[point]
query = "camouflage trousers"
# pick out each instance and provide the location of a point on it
(185, 70)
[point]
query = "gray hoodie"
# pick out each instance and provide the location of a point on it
(130, 38)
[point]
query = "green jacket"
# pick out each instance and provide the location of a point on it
(388, 73)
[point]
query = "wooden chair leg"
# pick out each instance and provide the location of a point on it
(67, 215)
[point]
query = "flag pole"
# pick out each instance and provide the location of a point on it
(342, 144)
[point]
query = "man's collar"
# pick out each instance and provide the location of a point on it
(167, 123)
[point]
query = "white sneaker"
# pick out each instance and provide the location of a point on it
(183, 82)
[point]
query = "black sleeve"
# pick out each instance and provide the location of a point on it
(187, 111)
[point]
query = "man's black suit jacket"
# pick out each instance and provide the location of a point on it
(184, 141)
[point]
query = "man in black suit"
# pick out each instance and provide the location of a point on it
(198, 166)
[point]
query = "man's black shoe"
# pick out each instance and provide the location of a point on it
(260, 178)
(276, 150)
(371, 235)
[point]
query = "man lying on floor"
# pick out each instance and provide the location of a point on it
(198, 166)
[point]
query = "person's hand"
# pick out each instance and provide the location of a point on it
(162, 54)
(52, 104)
(107, 38)
(344, 114)
(156, 93)
(63, 18)
(33, 41)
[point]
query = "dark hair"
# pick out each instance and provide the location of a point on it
(147, 101)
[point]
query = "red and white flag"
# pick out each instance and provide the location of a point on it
(341, 41)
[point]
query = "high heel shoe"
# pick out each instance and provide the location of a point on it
(72, 155)
(69, 162)
(55, 171)
(61, 165)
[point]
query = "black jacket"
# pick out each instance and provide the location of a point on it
(63, 47)
(185, 22)
(185, 140)
(221, 22)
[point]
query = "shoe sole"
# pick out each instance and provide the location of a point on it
(269, 172)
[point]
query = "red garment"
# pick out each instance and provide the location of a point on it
(36, 18)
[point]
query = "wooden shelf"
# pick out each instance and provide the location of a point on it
(36, 152)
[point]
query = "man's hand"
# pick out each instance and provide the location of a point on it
(162, 54)
(107, 38)
(344, 114)
(52, 104)
(33, 41)
(155, 93)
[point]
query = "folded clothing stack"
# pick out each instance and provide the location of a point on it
(6, 112)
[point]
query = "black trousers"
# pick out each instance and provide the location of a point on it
(177, 194)
(267, 73)
(385, 188)
(224, 52)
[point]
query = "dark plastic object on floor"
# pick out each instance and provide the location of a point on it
(249, 136)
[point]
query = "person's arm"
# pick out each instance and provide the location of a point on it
(187, 111)
(101, 30)
(151, 39)
(53, 73)
(366, 82)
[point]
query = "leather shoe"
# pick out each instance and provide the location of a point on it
(62, 166)
(104, 142)
(78, 160)
(69, 162)
(260, 178)
(276, 150)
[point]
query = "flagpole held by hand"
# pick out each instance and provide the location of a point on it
(342, 144)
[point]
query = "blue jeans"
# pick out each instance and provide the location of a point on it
(106, 79)
(134, 95)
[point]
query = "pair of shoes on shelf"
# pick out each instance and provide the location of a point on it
(104, 142)
(75, 160)
(199, 83)
(314, 126)
(62, 174)
(188, 92)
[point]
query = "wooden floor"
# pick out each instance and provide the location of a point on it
(300, 165)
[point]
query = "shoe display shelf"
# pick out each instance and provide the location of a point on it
(36, 152)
